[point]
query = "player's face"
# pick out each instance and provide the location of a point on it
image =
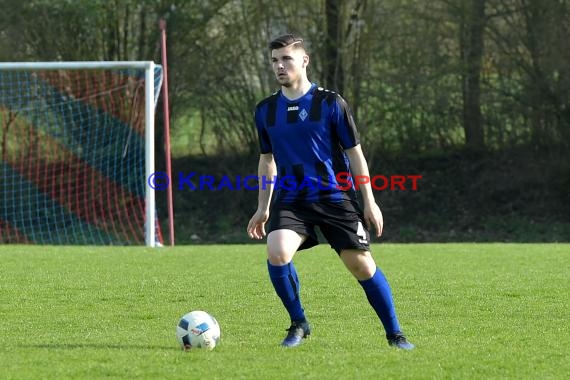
(289, 65)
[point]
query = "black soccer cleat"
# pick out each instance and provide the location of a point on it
(296, 333)
(398, 340)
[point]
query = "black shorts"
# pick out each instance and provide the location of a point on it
(341, 223)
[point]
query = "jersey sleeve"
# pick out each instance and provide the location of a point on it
(344, 124)
(264, 141)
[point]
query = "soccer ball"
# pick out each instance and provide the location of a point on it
(198, 329)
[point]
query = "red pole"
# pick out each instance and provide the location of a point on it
(166, 118)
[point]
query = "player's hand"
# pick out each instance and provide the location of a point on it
(373, 218)
(256, 225)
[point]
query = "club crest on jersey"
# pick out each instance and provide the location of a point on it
(303, 114)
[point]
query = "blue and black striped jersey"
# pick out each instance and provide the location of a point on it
(307, 137)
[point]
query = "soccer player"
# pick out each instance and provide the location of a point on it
(309, 144)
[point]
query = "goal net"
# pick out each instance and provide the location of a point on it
(76, 148)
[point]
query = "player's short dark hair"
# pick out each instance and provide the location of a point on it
(286, 40)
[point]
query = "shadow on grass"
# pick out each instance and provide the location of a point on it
(100, 346)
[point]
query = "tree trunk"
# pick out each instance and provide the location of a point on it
(354, 36)
(472, 56)
(333, 58)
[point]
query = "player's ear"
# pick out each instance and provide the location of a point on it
(305, 61)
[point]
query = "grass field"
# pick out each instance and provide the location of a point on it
(473, 310)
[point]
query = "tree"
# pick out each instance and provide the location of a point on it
(471, 52)
(334, 78)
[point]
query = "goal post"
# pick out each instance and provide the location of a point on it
(76, 150)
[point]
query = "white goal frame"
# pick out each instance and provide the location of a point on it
(150, 102)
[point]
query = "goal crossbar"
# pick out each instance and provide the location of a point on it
(76, 65)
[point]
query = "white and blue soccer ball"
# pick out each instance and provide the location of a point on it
(198, 329)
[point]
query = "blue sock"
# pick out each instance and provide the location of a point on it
(379, 295)
(286, 283)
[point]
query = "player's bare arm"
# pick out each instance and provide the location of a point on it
(359, 167)
(266, 169)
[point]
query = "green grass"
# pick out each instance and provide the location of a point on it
(473, 310)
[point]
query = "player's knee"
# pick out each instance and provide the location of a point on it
(362, 272)
(366, 273)
(282, 245)
(359, 263)
(278, 256)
